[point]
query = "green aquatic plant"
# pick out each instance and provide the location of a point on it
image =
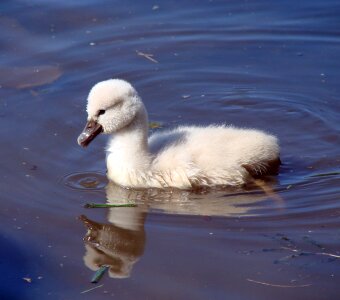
(99, 274)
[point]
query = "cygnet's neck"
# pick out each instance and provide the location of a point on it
(127, 151)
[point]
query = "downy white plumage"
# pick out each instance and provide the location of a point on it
(185, 157)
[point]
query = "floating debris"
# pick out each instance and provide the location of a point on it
(99, 205)
(89, 290)
(278, 285)
(27, 279)
(147, 56)
(155, 125)
(300, 253)
(99, 274)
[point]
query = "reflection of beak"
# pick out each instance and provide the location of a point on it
(91, 130)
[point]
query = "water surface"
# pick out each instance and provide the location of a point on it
(273, 66)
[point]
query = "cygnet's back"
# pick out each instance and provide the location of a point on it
(215, 155)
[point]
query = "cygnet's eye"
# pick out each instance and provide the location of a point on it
(101, 112)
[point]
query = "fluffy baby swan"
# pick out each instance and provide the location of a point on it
(185, 157)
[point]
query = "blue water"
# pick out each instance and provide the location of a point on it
(263, 64)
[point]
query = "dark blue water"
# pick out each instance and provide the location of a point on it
(269, 65)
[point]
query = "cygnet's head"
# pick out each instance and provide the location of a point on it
(111, 105)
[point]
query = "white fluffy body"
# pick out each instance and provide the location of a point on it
(184, 157)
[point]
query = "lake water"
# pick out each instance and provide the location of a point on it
(273, 65)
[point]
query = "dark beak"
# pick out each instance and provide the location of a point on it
(91, 130)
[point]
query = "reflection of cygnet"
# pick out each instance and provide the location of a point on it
(125, 217)
(118, 268)
(120, 243)
(117, 245)
(218, 202)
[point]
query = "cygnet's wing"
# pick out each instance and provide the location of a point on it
(162, 140)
